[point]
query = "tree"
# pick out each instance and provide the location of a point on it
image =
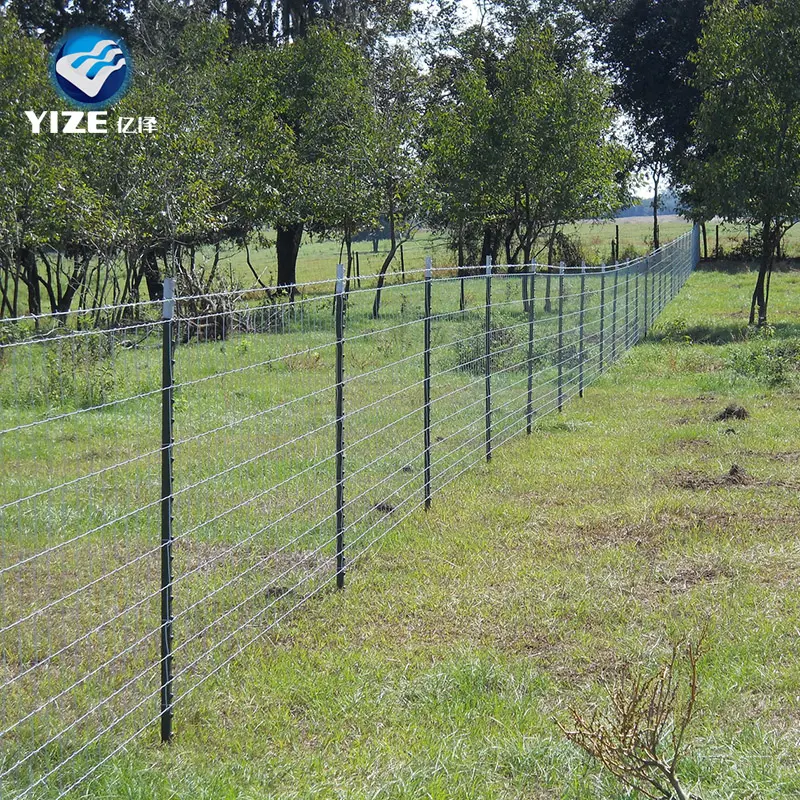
(462, 147)
(323, 101)
(50, 19)
(520, 143)
(397, 95)
(48, 201)
(562, 163)
(645, 45)
(748, 125)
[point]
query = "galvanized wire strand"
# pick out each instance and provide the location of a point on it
(95, 671)
(519, 269)
(60, 545)
(457, 368)
(55, 603)
(250, 417)
(61, 333)
(312, 553)
(251, 460)
(176, 581)
(478, 449)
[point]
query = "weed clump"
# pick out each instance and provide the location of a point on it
(641, 737)
(769, 362)
(674, 330)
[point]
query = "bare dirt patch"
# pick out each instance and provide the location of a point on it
(692, 444)
(732, 411)
(736, 476)
(689, 575)
(789, 456)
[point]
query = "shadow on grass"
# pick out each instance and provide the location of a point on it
(735, 266)
(723, 333)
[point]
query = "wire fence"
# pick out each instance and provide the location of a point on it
(178, 483)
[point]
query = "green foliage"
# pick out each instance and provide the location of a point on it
(519, 143)
(646, 44)
(748, 125)
(674, 329)
(773, 363)
(328, 130)
(78, 373)
(569, 249)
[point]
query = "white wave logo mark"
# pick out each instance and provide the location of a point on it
(76, 67)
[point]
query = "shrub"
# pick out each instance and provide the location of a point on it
(673, 330)
(78, 370)
(768, 361)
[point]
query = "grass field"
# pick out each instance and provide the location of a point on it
(610, 532)
(317, 259)
(254, 477)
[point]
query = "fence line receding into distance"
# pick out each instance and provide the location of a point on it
(177, 483)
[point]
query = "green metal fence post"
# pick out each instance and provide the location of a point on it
(531, 322)
(602, 314)
(488, 359)
(646, 296)
(339, 312)
(427, 382)
(627, 338)
(560, 335)
(581, 342)
(167, 459)
(614, 318)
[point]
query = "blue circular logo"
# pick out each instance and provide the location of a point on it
(91, 67)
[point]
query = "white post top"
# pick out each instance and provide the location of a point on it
(428, 266)
(168, 307)
(488, 265)
(561, 266)
(339, 278)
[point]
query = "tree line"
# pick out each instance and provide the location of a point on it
(326, 118)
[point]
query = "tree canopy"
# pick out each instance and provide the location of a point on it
(748, 125)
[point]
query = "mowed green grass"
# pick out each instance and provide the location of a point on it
(442, 668)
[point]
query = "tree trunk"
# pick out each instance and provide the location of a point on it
(507, 244)
(152, 276)
(760, 297)
(5, 282)
(348, 243)
(551, 251)
(656, 242)
(705, 239)
(376, 306)
(491, 242)
(30, 277)
(287, 246)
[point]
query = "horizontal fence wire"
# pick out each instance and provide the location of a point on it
(181, 476)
